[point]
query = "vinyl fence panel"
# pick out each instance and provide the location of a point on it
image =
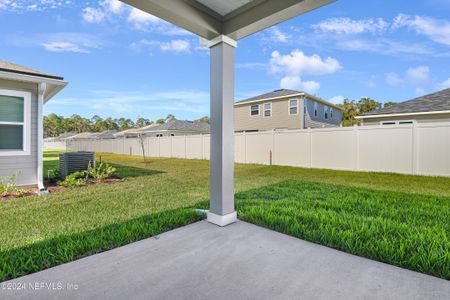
(409, 149)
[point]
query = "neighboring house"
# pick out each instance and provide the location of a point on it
(23, 92)
(60, 137)
(426, 109)
(83, 136)
(107, 134)
(285, 109)
(172, 128)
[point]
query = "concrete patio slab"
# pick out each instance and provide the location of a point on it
(240, 261)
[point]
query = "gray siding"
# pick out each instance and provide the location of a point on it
(311, 121)
(27, 165)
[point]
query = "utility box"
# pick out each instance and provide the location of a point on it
(71, 162)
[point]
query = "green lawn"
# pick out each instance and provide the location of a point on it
(403, 220)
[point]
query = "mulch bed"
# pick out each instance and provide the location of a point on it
(53, 187)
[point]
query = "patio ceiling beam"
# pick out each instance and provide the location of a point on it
(189, 15)
(252, 18)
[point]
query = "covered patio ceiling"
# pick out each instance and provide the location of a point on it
(233, 18)
(223, 22)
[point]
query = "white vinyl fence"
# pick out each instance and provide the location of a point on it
(55, 145)
(410, 149)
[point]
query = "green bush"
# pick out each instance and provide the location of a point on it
(101, 171)
(98, 173)
(8, 187)
(75, 179)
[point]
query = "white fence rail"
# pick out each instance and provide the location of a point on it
(409, 149)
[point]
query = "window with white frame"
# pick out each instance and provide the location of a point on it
(325, 112)
(316, 109)
(14, 122)
(293, 106)
(254, 110)
(305, 106)
(268, 109)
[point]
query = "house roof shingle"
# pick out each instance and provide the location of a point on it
(273, 94)
(18, 69)
(181, 125)
(439, 101)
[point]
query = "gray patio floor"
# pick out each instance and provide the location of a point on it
(240, 261)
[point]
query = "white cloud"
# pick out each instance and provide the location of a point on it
(349, 26)
(294, 65)
(114, 6)
(418, 75)
(78, 42)
(274, 34)
(337, 99)
(297, 63)
(445, 84)
(382, 46)
(63, 47)
(296, 83)
(435, 29)
(393, 79)
(32, 5)
(176, 46)
(93, 15)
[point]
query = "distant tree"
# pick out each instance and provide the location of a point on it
(366, 104)
(350, 111)
(389, 104)
(142, 122)
(125, 124)
(170, 118)
(160, 121)
(204, 119)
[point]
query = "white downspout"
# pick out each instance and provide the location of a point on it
(42, 87)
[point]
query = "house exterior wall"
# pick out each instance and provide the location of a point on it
(25, 164)
(420, 119)
(281, 119)
(319, 121)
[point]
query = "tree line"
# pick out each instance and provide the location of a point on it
(55, 125)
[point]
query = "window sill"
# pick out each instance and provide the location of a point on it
(14, 153)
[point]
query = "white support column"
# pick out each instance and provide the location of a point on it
(222, 210)
(42, 87)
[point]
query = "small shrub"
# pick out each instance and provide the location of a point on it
(8, 187)
(98, 173)
(101, 171)
(74, 179)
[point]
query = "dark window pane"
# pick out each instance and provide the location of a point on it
(11, 109)
(11, 137)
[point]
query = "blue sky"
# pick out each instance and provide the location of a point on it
(121, 62)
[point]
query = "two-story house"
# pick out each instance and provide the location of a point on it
(285, 109)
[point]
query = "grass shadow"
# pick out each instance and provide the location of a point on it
(124, 171)
(65, 248)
